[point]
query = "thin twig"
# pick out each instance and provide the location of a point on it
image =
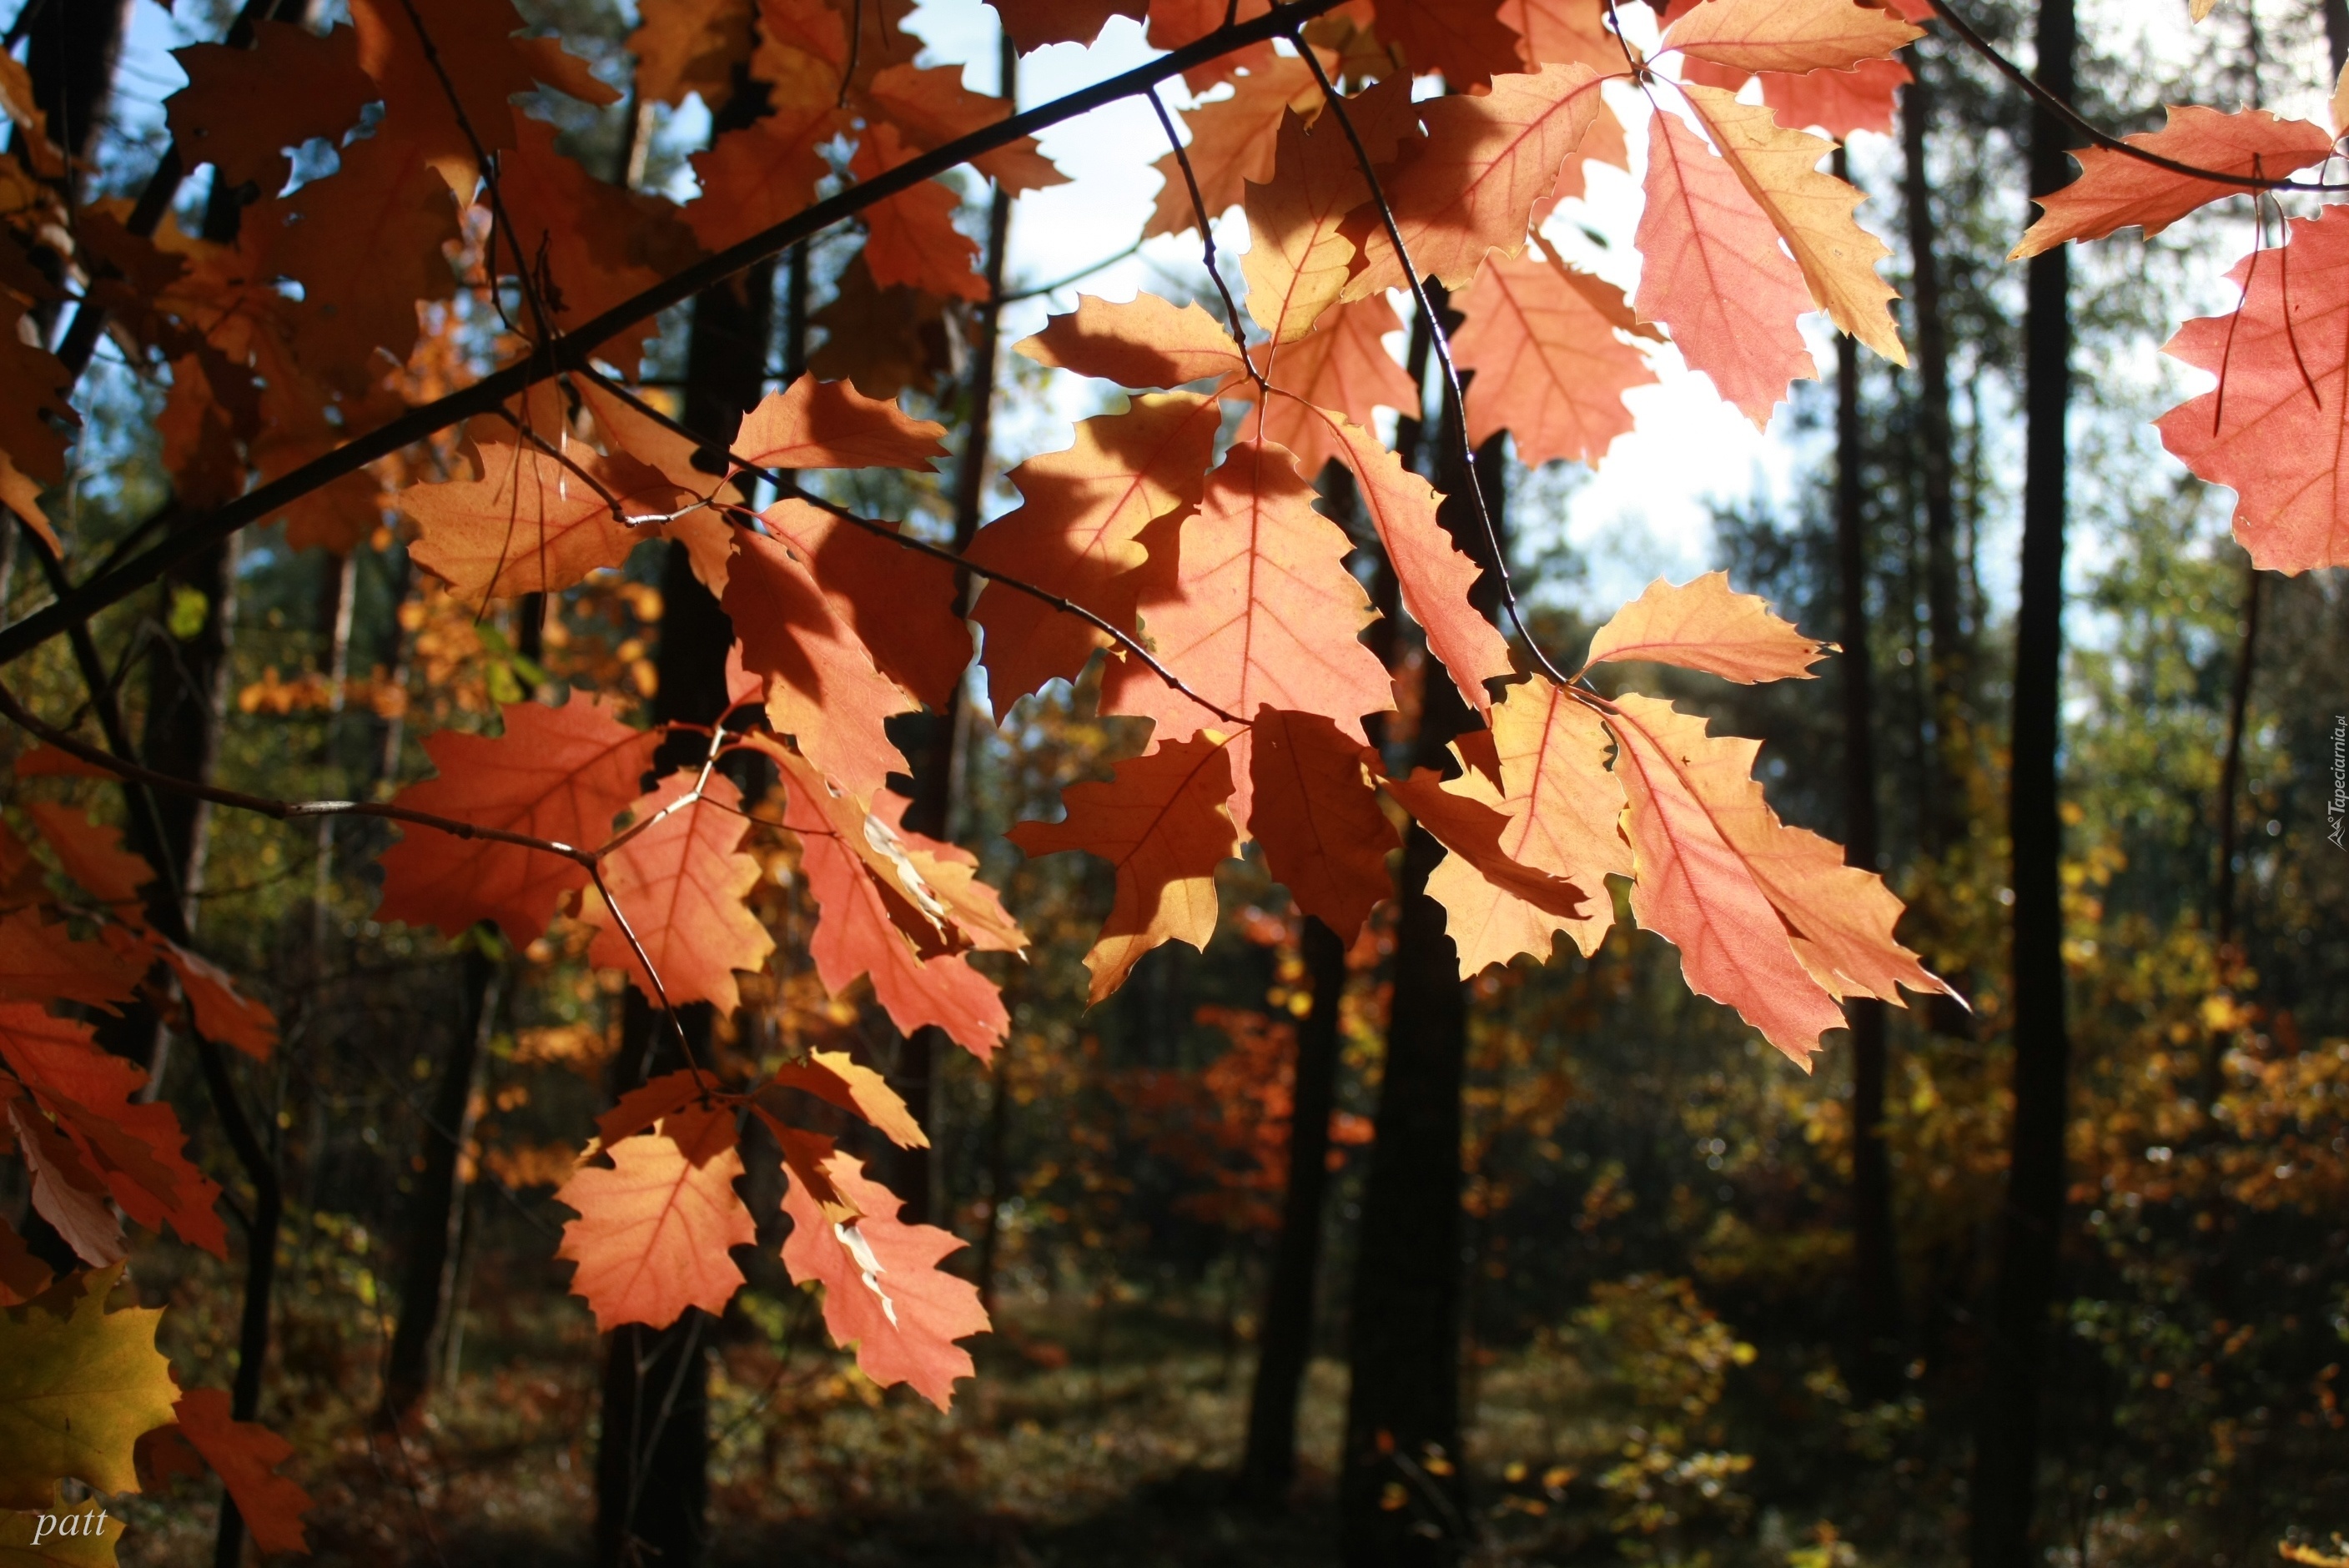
(1040, 290)
(1441, 341)
(572, 350)
(1207, 239)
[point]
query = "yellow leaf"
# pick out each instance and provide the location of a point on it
(1812, 213)
(1794, 36)
(78, 1385)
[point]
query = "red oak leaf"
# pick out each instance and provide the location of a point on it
(653, 1232)
(2273, 428)
(882, 1290)
(1703, 625)
(1232, 142)
(91, 852)
(814, 423)
(40, 962)
(910, 238)
(537, 521)
(558, 773)
(1550, 369)
(245, 1455)
(679, 883)
(1316, 812)
(903, 605)
(1343, 366)
(1146, 343)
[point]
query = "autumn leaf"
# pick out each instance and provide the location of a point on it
(1083, 530)
(1812, 212)
(837, 1079)
(91, 852)
(910, 238)
(755, 177)
(1470, 186)
(1563, 807)
(687, 46)
(1233, 142)
(558, 773)
(245, 1455)
(222, 1013)
(2273, 428)
(1261, 611)
(1465, 44)
(40, 962)
(1474, 830)
(97, 1533)
(1551, 369)
(822, 687)
(653, 1232)
(1866, 97)
(78, 1385)
(1316, 812)
(1146, 343)
(242, 107)
(1434, 576)
(1299, 258)
(2115, 191)
(813, 424)
(902, 604)
(680, 883)
(135, 1145)
(882, 1290)
(1343, 366)
(857, 935)
(931, 108)
(66, 1192)
(536, 522)
(1712, 273)
(1793, 36)
(1163, 823)
(1032, 24)
(22, 1275)
(1704, 625)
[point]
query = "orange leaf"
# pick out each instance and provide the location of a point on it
(245, 1455)
(1471, 185)
(1434, 576)
(822, 687)
(856, 935)
(66, 1192)
(814, 423)
(1162, 821)
(1473, 828)
(839, 1079)
(1703, 625)
(1839, 102)
(2273, 428)
(1085, 530)
(1563, 808)
(686, 46)
(1713, 273)
(559, 773)
(882, 1290)
(1812, 213)
(1298, 259)
(1465, 44)
(1148, 343)
(134, 1146)
(1343, 366)
(687, 1107)
(221, 1013)
(1317, 818)
(535, 522)
(1563, 32)
(242, 107)
(755, 177)
(1550, 367)
(1262, 611)
(653, 1232)
(22, 1275)
(932, 107)
(903, 605)
(681, 884)
(1032, 24)
(40, 962)
(1233, 142)
(1790, 34)
(910, 238)
(2115, 191)
(91, 852)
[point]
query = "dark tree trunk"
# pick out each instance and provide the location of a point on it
(652, 1482)
(70, 53)
(1285, 1342)
(938, 775)
(1402, 1413)
(2006, 1439)
(1950, 667)
(2336, 33)
(1876, 1281)
(2230, 766)
(436, 1209)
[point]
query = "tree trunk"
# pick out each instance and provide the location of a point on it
(1876, 1281)
(1285, 1340)
(652, 1483)
(939, 775)
(2006, 1439)
(2230, 767)
(436, 1212)
(1402, 1413)
(1950, 666)
(2336, 33)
